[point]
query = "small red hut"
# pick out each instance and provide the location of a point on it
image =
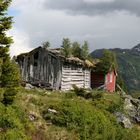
(106, 81)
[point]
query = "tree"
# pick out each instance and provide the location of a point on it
(85, 51)
(66, 47)
(76, 50)
(9, 73)
(80, 52)
(107, 62)
(46, 44)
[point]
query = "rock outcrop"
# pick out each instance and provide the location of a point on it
(131, 114)
(123, 120)
(132, 108)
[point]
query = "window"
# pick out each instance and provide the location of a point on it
(106, 79)
(111, 77)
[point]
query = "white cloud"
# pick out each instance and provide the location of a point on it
(35, 24)
(21, 42)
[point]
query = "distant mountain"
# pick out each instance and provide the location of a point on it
(128, 65)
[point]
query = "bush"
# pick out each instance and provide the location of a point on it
(97, 95)
(12, 123)
(9, 96)
(78, 91)
(70, 94)
(15, 134)
(87, 94)
(86, 120)
(108, 102)
(1, 94)
(116, 108)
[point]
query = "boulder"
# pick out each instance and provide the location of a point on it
(29, 86)
(123, 120)
(52, 111)
(132, 108)
(33, 115)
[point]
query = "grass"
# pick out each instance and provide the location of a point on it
(115, 98)
(77, 117)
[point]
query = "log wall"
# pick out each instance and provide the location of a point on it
(75, 75)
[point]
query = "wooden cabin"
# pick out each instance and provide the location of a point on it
(46, 67)
(106, 81)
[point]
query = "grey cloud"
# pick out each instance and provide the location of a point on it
(92, 8)
(36, 24)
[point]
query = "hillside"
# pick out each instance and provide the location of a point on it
(38, 114)
(128, 65)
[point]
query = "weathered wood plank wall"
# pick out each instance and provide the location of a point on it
(41, 67)
(75, 75)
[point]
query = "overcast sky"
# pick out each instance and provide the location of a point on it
(103, 23)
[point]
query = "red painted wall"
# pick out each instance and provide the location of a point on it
(110, 81)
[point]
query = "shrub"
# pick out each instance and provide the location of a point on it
(115, 108)
(15, 134)
(1, 94)
(82, 92)
(70, 94)
(86, 120)
(97, 95)
(78, 91)
(13, 122)
(9, 96)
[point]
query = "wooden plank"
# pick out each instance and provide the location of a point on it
(78, 74)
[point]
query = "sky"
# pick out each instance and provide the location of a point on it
(103, 23)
